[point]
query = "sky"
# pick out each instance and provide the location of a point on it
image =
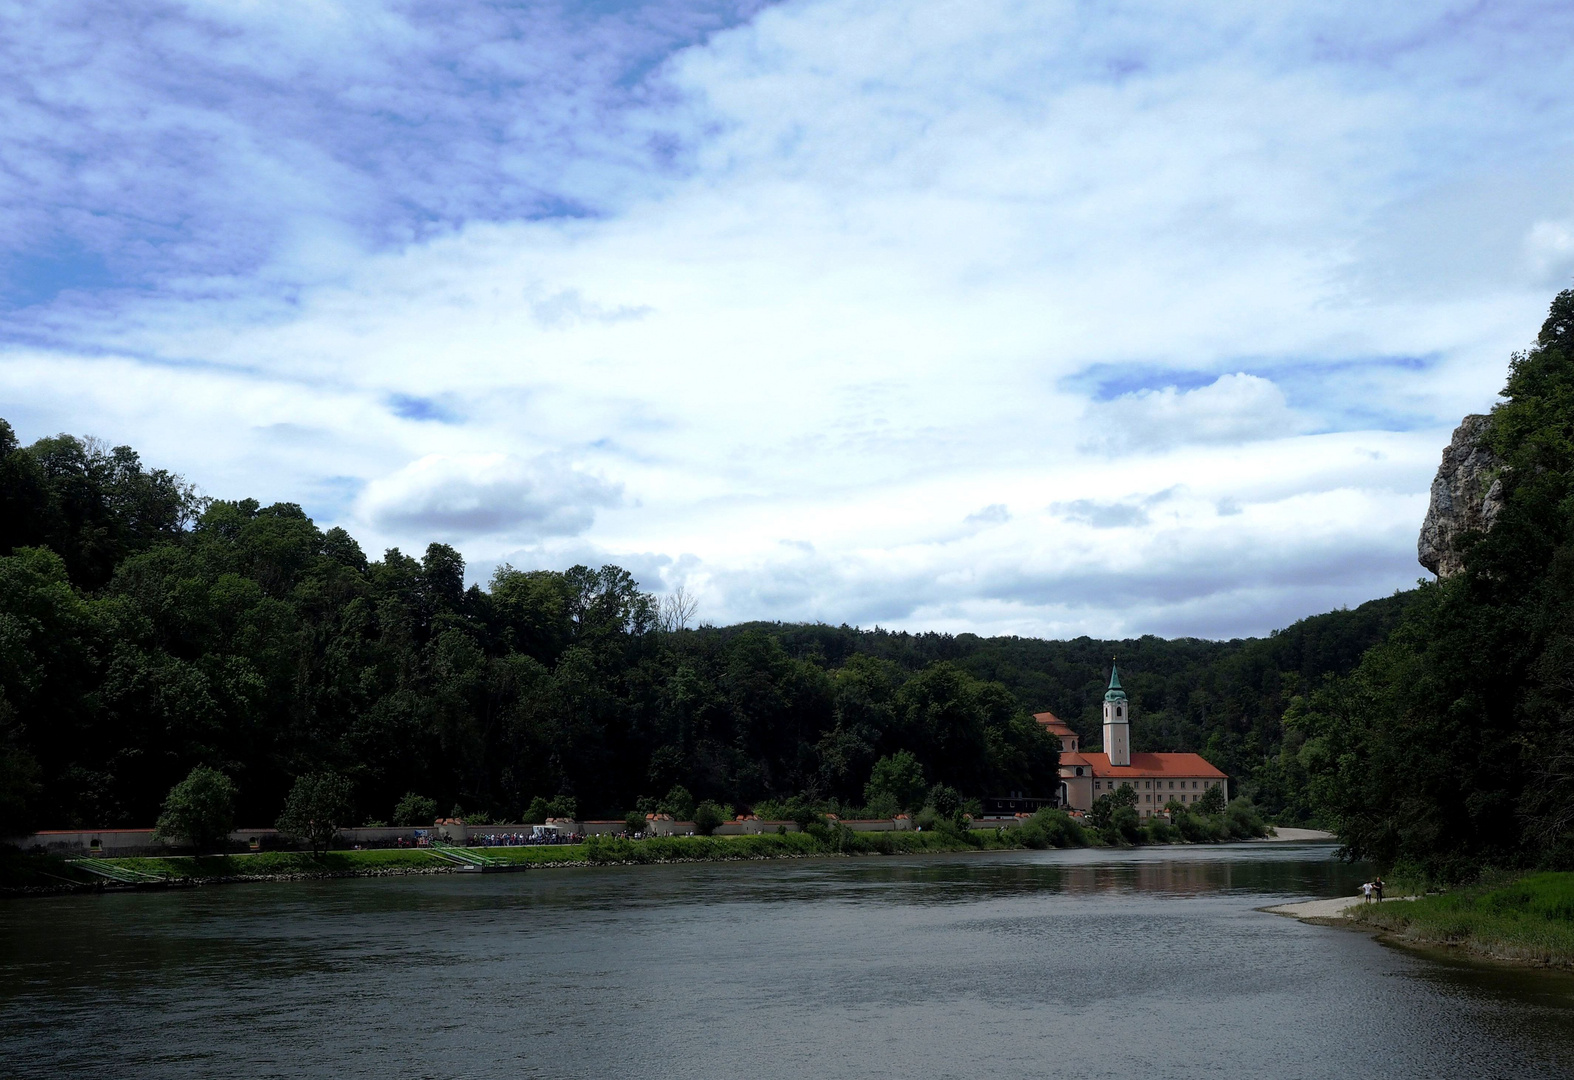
(1029, 318)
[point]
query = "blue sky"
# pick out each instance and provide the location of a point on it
(1037, 318)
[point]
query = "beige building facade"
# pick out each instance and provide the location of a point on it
(1156, 779)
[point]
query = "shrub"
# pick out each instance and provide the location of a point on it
(896, 779)
(633, 822)
(1158, 831)
(707, 816)
(415, 809)
(1199, 829)
(1242, 822)
(1126, 824)
(679, 803)
(561, 806)
(317, 805)
(200, 810)
(1052, 828)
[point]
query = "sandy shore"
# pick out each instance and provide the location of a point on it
(1288, 835)
(1322, 910)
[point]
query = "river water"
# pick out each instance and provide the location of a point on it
(1149, 963)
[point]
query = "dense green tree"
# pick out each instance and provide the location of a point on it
(317, 807)
(708, 817)
(1448, 748)
(896, 783)
(199, 811)
(144, 632)
(413, 809)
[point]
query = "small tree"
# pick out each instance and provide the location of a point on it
(538, 811)
(707, 816)
(897, 778)
(947, 802)
(1212, 801)
(679, 803)
(199, 811)
(317, 805)
(1125, 822)
(415, 809)
(633, 822)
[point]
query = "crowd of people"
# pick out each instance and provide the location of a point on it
(521, 839)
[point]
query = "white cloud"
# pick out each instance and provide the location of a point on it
(822, 293)
(1233, 409)
(482, 495)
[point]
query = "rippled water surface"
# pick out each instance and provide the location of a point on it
(1035, 964)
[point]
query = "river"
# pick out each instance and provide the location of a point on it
(1151, 963)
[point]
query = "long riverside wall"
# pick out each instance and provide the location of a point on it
(79, 842)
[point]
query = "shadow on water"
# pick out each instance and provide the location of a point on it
(1043, 964)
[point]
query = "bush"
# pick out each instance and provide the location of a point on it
(1051, 828)
(1212, 801)
(199, 811)
(1242, 822)
(561, 806)
(897, 779)
(946, 802)
(634, 822)
(679, 803)
(1198, 828)
(1126, 825)
(317, 805)
(1158, 831)
(707, 816)
(414, 809)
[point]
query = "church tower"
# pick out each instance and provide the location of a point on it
(1117, 732)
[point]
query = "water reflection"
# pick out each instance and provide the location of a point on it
(1035, 964)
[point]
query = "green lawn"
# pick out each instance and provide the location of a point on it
(19, 872)
(1529, 919)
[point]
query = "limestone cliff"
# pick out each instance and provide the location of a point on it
(1466, 497)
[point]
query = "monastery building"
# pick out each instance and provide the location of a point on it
(1157, 778)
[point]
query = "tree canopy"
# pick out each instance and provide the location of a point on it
(144, 632)
(1451, 746)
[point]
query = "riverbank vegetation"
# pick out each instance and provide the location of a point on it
(1530, 919)
(22, 873)
(145, 631)
(1450, 747)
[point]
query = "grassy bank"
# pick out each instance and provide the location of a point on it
(24, 874)
(1529, 920)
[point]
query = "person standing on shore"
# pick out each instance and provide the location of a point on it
(1377, 887)
(1366, 892)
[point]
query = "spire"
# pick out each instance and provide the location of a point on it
(1115, 693)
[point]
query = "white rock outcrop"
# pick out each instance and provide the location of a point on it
(1467, 495)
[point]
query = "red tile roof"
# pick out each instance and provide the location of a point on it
(1147, 766)
(1053, 723)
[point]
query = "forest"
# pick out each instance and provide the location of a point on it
(1450, 746)
(145, 630)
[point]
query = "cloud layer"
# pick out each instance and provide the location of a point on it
(1040, 318)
